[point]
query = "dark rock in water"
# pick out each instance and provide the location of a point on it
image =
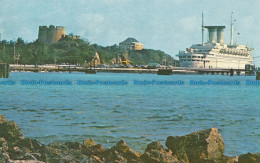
(249, 158)
(120, 152)
(10, 131)
(197, 147)
(156, 153)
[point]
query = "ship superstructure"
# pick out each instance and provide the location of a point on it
(216, 54)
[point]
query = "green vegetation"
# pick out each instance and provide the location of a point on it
(147, 56)
(72, 51)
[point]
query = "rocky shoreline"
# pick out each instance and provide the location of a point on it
(206, 146)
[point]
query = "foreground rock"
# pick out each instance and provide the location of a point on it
(10, 131)
(156, 153)
(200, 146)
(205, 146)
(249, 158)
(121, 152)
(91, 148)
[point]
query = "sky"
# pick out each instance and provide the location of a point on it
(167, 25)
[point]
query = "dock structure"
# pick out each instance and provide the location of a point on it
(79, 69)
(176, 70)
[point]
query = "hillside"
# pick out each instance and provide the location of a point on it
(72, 51)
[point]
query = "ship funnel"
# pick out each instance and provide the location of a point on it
(216, 34)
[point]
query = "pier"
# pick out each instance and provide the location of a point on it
(54, 68)
(175, 70)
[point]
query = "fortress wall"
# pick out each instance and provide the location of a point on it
(59, 33)
(42, 35)
(52, 34)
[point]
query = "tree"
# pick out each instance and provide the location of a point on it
(20, 41)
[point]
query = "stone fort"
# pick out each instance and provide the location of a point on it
(51, 34)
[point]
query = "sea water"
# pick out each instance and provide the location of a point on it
(138, 108)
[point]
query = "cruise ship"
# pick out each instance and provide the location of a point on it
(216, 54)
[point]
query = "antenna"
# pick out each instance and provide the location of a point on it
(231, 28)
(202, 30)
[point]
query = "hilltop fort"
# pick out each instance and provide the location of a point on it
(51, 34)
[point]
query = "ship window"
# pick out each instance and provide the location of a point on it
(193, 56)
(189, 56)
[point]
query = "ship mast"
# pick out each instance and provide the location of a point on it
(14, 51)
(202, 30)
(231, 28)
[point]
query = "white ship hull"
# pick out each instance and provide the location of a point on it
(216, 56)
(217, 63)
